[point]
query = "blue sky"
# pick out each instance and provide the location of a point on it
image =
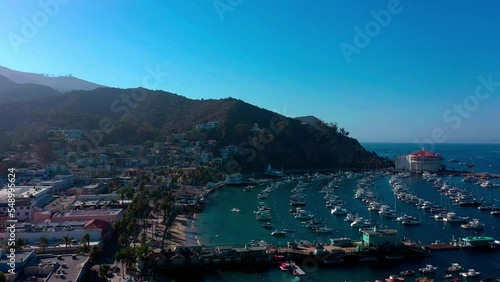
(284, 56)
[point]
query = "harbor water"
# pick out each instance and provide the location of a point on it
(218, 225)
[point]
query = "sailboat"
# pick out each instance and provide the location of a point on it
(490, 206)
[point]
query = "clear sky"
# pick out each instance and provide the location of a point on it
(285, 56)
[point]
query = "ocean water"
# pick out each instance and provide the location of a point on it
(485, 157)
(217, 225)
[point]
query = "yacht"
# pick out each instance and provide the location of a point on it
(324, 230)
(303, 215)
(300, 202)
(452, 217)
(236, 210)
(338, 211)
(469, 179)
(264, 216)
(411, 221)
(408, 272)
(278, 233)
(455, 267)
(428, 269)
(484, 207)
(360, 222)
(268, 226)
(495, 212)
(487, 184)
(470, 273)
(350, 217)
(394, 278)
(474, 225)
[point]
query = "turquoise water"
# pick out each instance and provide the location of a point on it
(217, 225)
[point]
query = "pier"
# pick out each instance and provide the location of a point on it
(251, 257)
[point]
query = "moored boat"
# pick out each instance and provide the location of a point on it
(394, 278)
(428, 269)
(455, 267)
(473, 225)
(470, 273)
(278, 233)
(324, 230)
(408, 272)
(287, 266)
(268, 226)
(338, 211)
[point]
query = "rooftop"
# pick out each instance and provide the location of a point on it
(87, 212)
(25, 191)
(424, 153)
(65, 266)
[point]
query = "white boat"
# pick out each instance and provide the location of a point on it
(303, 215)
(268, 226)
(360, 222)
(338, 211)
(455, 267)
(452, 217)
(487, 207)
(264, 217)
(470, 273)
(350, 217)
(236, 210)
(486, 184)
(278, 233)
(428, 269)
(324, 230)
(474, 225)
(411, 221)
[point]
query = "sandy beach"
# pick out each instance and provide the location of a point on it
(182, 232)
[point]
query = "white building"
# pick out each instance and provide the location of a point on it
(24, 209)
(419, 161)
(54, 231)
(208, 125)
(27, 198)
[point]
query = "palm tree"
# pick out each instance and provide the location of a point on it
(20, 243)
(95, 252)
(103, 270)
(44, 241)
(66, 240)
(121, 256)
(86, 241)
(117, 225)
(123, 239)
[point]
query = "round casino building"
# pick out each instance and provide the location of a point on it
(419, 162)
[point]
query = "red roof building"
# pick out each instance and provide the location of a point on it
(419, 161)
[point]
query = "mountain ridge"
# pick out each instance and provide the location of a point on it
(262, 136)
(59, 83)
(12, 92)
